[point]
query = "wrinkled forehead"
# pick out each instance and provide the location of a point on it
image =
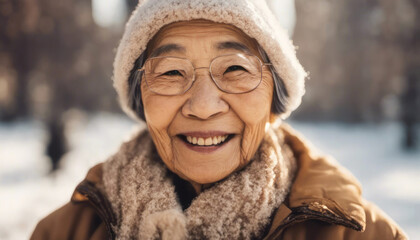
(177, 36)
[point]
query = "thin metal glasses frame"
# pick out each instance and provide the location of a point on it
(142, 70)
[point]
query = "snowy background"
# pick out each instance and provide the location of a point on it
(390, 176)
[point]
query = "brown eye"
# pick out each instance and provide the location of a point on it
(235, 68)
(172, 73)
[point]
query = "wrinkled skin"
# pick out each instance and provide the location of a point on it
(204, 107)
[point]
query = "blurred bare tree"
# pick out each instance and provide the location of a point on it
(410, 99)
(16, 36)
(356, 55)
(54, 57)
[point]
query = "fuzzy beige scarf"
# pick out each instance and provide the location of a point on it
(144, 200)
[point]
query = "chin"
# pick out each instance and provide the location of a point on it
(206, 179)
(205, 174)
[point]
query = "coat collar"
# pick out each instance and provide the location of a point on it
(322, 190)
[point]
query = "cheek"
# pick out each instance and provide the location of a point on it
(157, 110)
(255, 106)
(160, 112)
(254, 110)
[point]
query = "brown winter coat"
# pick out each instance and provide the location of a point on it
(324, 203)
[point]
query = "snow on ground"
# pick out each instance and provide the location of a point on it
(27, 191)
(390, 176)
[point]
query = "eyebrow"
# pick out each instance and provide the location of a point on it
(177, 48)
(166, 49)
(233, 45)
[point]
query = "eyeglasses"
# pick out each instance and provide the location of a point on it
(233, 73)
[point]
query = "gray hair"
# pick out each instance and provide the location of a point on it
(135, 102)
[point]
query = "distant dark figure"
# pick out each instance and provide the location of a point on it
(56, 146)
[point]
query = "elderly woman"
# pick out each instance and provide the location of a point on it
(213, 79)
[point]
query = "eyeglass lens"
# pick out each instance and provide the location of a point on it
(237, 73)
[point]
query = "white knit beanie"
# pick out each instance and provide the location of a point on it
(253, 17)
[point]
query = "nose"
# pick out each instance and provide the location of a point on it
(205, 99)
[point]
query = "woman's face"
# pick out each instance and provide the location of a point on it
(204, 112)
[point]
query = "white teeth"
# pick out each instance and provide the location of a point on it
(206, 141)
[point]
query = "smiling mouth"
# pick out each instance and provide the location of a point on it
(206, 141)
